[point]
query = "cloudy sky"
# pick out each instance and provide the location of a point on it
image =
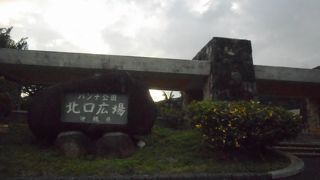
(283, 32)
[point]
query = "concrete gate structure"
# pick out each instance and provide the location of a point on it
(222, 70)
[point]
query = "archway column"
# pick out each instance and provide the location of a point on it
(313, 115)
(232, 74)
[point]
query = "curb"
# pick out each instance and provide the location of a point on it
(296, 166)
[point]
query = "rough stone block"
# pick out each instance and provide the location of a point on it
(73, 144)
(115, 144)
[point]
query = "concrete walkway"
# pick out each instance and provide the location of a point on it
(311, 164)
(305, 139)
(311, 171)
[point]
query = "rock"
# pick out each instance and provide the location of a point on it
(44, 117)
(73, 144)
(115, 144)
(141, 144)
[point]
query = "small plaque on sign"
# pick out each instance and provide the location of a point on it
(95, 108)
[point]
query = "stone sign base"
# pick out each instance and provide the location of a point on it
(75, 144)
(115, 144)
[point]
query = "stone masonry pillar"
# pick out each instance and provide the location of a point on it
(232, 72)
(312, 115)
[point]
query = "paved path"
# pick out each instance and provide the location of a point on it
(306, 139)
(311, 164)
(311, 171)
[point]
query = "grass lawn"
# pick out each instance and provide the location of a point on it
(167, 152)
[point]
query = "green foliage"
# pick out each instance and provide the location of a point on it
(9, 95)
(31, 90)
(25, 103)
(170, 114)
(167, 152)
(251, 125)
(7, 42)
(10, 88)
(167, 96)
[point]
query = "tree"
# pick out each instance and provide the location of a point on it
(28, 90)
(31, 90)
(7, 42)
(167, 96)
(8, 95)
(10, 91)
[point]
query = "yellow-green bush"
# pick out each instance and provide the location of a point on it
(247, 124)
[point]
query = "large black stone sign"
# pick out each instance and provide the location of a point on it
(95, 108)
(113, 102)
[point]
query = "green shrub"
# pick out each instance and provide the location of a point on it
(171, 118)
(230, 125)
(9, 88)
(171, 115)
(25, 103)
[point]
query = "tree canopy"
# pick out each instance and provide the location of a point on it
(10, 91)
(7, 42)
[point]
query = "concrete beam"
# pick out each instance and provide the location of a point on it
(44, 67)
(94, 61)
(52, 67)
(287, 89)
(287, 82)
(298, 75)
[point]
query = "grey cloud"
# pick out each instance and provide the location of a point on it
(41, 34)
(283, 33)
